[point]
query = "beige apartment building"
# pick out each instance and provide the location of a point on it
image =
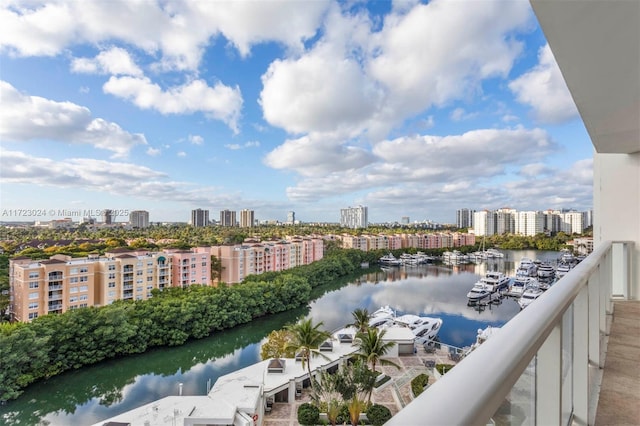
(252, 258)
(61, 283)
(400, 241)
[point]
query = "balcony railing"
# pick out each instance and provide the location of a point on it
(542, 366)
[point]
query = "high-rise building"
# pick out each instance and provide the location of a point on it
(199, 217)
(404, 220)
(139, 219)
(107, 217)
(505, 221)
(354, 217)
(464, 218)
(291, 218)
(530, 223)
(484, 223)
(246, 218)
(227, 218)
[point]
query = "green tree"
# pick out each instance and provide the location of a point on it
(372, 348)
(361, 319)
(276, 345)
(305, 340)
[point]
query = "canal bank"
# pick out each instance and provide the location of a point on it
(89, 395)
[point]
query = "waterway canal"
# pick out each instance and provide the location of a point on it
(95, 393)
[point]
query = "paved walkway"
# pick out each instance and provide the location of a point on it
(619, 402)
(393, 394)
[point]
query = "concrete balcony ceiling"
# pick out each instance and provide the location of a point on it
(597, 46)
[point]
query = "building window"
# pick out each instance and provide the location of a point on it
(112, 276)
(73, 299)
(112, 267)
(112, 293)
(73, 271)
(84, 270)
(33, 296)
(84, 297)
(84, 279)
(112, 284)
(73, 289)
(84, 288)
(138, 273)
(149, 279)
(33, 305)
(33, 315)
(73, 280)
(33, 284)
(83, 305)
(34, 274)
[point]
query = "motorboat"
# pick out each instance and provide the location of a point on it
(546, 271)
(497, 281)
(519, 284)
(424, 328)
(562, 269)
(381, 317)
(530, 294)
(454, 257)
(478, 292)
(389, 259)
(527, 268)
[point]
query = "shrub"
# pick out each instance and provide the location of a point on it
(378, 414)
(308, 414)
(418, 383)
(344, 417)
(443, 368)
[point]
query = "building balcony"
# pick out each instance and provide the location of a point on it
(53, 297)
(545, 366)
(55, 307)
(55, 287)
(127, 287)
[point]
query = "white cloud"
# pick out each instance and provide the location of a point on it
(181, 154)
(153, 152)
(444, 163)
(459, 114)
(196, 139)
(24, 118)
(178, 30)
(317, 155)
(237, 146)
(115, 61)
(545, 91)
(218, 101)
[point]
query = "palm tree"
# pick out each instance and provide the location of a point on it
(372, 348)
(361, 319)
(305, 340)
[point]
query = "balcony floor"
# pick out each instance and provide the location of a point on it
(619, 401)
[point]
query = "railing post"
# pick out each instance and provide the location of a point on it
(594, 319)
(580, 362)
(549, 379)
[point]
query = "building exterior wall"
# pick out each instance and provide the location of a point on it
(616, 202)
(354, 217)
(246, 218)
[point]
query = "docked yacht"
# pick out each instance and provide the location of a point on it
(530, 294)
(527, 268)
(381, 317)
(562, 269)
(519, 284)
(389, 260)
(497, 281)
(546, 271)
(478, 292)
(424, 328)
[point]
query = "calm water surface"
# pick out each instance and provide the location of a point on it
(95, 393)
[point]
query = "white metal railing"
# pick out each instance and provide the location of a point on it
(536, 369)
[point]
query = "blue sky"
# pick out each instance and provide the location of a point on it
(410, 108)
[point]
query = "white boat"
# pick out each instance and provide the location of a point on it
(482, 336)
(527, 267)
(454, 257)
(493, 253)
(530, 294)
(519, 283)
(424, 328)
(562, 269)
(389, 259)
(478, 292)
(381, 317)
(546, 271)
(497, 281)
(567, 257)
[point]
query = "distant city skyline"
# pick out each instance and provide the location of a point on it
(238, 110)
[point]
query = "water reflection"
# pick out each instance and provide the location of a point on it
(105, 390)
